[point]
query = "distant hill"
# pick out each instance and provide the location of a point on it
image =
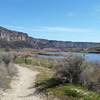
(14, 39)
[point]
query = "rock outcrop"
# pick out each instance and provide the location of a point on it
(12, 35)
(16, 39)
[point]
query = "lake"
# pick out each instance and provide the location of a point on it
(88, 56)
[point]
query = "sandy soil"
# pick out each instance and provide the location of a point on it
(21, 86)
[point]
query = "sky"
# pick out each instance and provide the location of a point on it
(66, 20)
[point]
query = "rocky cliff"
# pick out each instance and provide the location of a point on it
(14, 39)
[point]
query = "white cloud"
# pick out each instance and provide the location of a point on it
(52, 29)
(61, 29)
(16, 27)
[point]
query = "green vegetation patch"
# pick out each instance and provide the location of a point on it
(73, 92)
(43, 62)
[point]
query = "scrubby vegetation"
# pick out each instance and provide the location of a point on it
(43, 62)
(7, 69)
(73, 79)
(70, 69)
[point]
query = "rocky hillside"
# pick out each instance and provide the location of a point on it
(14, 39)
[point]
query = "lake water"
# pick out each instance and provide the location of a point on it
(88, 56)
(93, 57)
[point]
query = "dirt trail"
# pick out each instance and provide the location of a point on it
(21, 86)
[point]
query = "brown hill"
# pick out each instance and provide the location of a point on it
(14, 39)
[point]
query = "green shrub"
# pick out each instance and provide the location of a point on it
(73, 93)
(29, 61)
(36, 61)
(20, 60)
(46, 84)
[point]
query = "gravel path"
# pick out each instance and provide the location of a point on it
(21, 86)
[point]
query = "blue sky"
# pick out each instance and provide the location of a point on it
(67, 20)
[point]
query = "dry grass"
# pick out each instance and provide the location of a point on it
(6, 77)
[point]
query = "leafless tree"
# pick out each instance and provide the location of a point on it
(70, 69)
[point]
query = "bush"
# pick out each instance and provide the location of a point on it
(6, 58)
(70, 69)
(72, 93)
(76, 70)
(91, 76)
(20, 60)
(43, 86)
(6, 77)
(7, 69)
